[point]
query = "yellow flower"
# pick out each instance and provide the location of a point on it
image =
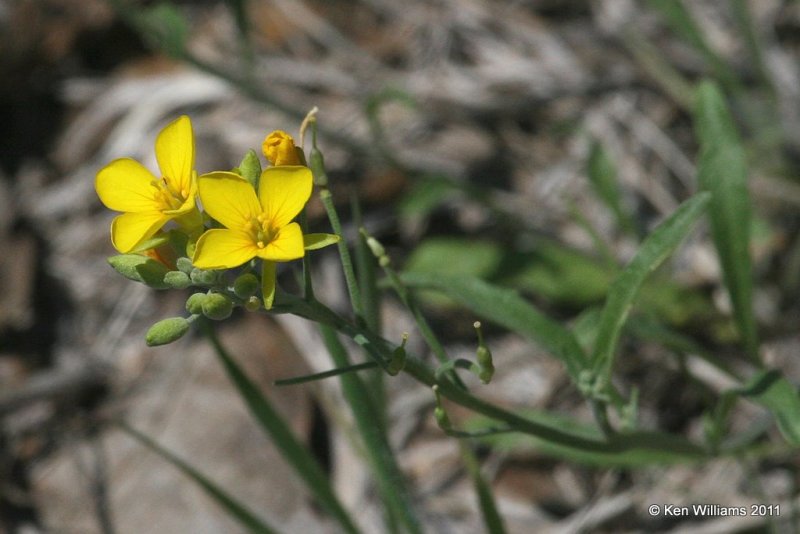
(279, 149)
(148, 202)
(256, 226)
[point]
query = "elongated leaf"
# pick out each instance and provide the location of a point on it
(774, 392)
(722, 171)
(603, 176)
(506, 308)
(276, 428)
(233, 507)
(379, 452)
(654, 250)
(683, 23)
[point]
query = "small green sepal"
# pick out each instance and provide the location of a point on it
(318, 241)
(184, 265)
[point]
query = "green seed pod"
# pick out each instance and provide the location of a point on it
(375, 247)
(194, 304)
(201, 277)
(442, 419)
(184, 265)
(140, 269)
(484, 357)
(166, 331)
(217, 306)
(317, 165)
(246, 285)
(177, 280)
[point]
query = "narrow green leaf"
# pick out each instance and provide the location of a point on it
(234, 508)
(684, 25)
(722, 171)
(275, 426)
(774, 392)
(506, 308)
(326, 374)
(603, 176)
(491, 517)
(654, 250)
(379, 453)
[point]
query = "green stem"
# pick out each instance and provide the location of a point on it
(381, 350)
(326, 374)
(491, 517)
(344, 253)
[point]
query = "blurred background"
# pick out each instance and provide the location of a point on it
(468, 130)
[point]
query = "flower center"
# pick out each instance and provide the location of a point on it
(260, 230)
(168, 198)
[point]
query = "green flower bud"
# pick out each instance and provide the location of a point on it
(201, 277)
(246, 285)
(184, 265)
(177, 280)
(194, 304)
(250, 168)
(252, 304)
(217, 306)
(140, 269)
(166, 331)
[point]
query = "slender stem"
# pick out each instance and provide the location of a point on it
(325, 374)
(344, 253)
(381, 350)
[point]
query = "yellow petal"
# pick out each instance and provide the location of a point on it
(126, 185)
(223, 249)
(268, 275)
(228, 198)
(283, 191)
(285, 246)
(175, 153)
(130, 229)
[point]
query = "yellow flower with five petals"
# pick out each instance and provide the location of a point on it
(256, 225)
(148, 202)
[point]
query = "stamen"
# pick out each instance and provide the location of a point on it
(260, 244)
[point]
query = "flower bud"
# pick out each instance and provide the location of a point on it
(252, 304)
(177, 280)
(201, 277)
(140, 269)
(194, 304)
(245, 285)
(166, 331)
(279, 149)
(217, 306)
(184, 265)
(250, 168)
